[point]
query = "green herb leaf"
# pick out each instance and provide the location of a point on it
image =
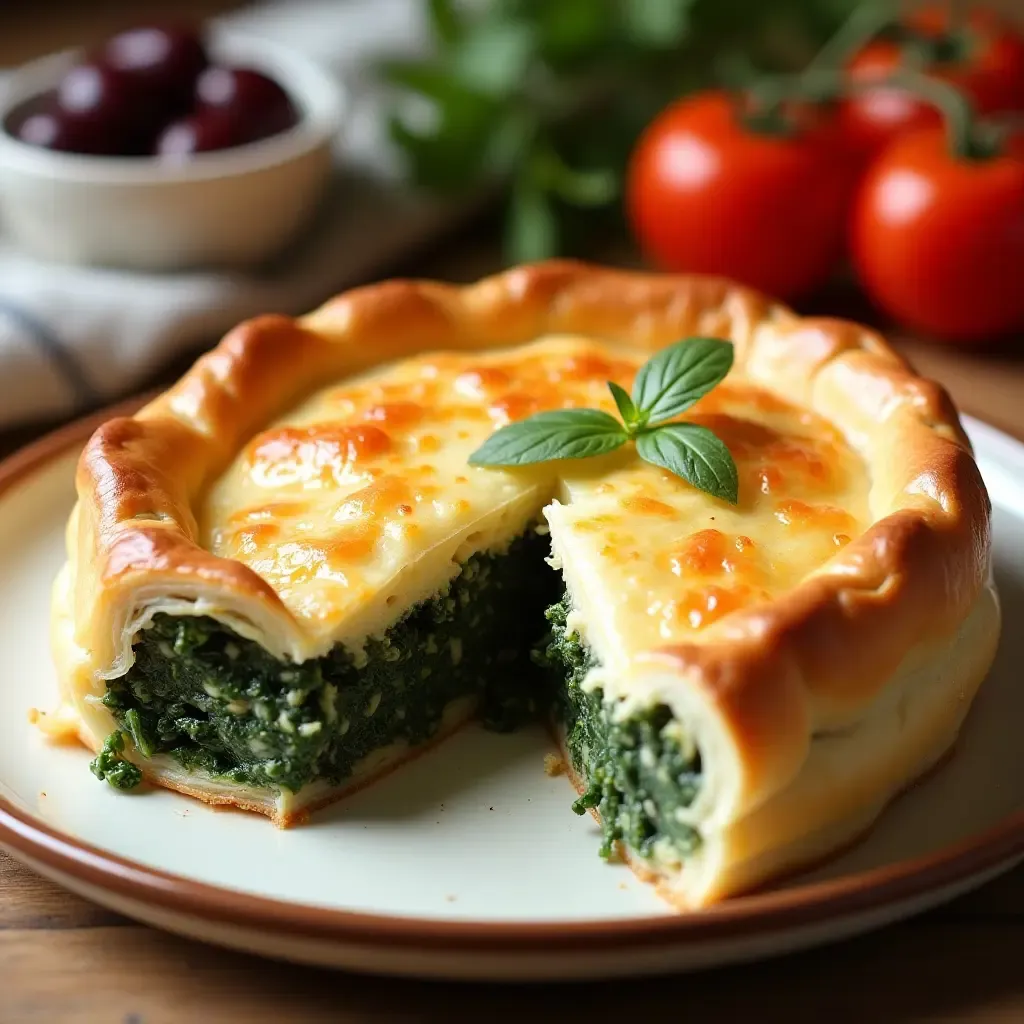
(495, 56)
(671, 381)
(446, 136)
(694, 453)
(589, 75)
(627, 410)
(511, 135)
(660, 24)
(560, 434)
(444, 21)
(431, 81)
(595, 186)
(425, 158)
(531, 229)
(571, 30)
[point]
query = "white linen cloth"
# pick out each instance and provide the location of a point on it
(72, 338)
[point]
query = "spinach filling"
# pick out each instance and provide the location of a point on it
(108, 764)
(637, 772)
(222, 704)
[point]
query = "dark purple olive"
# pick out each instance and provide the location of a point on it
(102, 103)
(41, 123)
(257, 105)
(198, 133)
(164, 60)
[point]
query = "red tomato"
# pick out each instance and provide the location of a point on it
(990, 71)
(938, 241)
(706, 194)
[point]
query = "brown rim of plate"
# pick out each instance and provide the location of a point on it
(742, 916)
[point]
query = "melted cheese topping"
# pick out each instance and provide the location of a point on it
(362, 497)
(653, 561)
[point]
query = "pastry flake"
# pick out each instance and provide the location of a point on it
(284, 576)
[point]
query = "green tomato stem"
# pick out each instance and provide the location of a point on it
(863, 24)
(957, 17)
(870, 19)
(968, 139)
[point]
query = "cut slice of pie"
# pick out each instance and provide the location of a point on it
(284, 576)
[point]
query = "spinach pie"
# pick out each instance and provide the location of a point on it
(288, 573)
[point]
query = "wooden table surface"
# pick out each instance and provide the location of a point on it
(63, 959)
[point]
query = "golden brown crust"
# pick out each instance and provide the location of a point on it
(156, 463)
(779, 673)
(833, 641)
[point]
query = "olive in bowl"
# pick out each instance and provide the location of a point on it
(154, 91)
(233, 106)
(160, 150)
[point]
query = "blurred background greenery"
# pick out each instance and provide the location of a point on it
(548, 96)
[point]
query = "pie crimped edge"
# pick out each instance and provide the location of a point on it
(912, 592)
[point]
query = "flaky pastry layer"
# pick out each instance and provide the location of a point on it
(906, 612)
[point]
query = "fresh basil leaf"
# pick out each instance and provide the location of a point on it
(694, 453)
(659, 24)
(427, 159)
(512, 135)
(627, 410)
(573, 29)
(591, 72)
(531, 228)
(671, 381)
(444, 21)
(431, 80)
(443, 129)
(495, 56)
(560, 434)
(593, 187)
(547, 172)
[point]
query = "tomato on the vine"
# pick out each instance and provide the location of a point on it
(938, 238)
(984, 59)
(713, 190)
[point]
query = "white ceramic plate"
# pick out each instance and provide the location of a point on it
(468, 862)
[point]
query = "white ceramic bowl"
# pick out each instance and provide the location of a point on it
(233, 207)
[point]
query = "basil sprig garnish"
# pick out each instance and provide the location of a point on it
(665, 387)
